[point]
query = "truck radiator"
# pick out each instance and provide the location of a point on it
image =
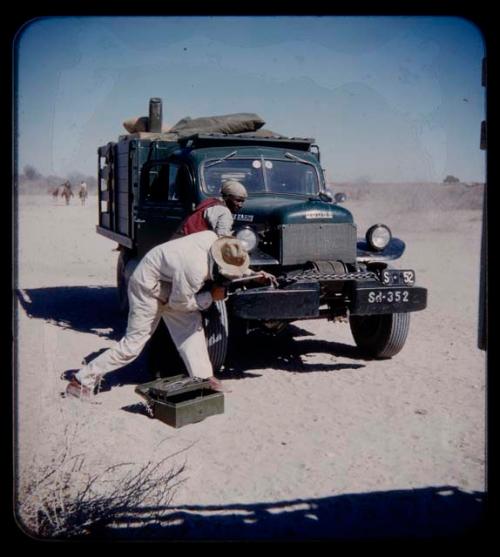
(322, 241)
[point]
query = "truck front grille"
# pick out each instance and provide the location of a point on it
(300, 243)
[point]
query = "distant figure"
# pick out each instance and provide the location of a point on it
(55, 193)
(83, 192)
(67, 192)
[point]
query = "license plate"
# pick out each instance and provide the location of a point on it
(388, 300)
(398, 277)
(389, 296)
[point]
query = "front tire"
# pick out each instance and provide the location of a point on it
(216, 325)
(380, 336)
(164, 359)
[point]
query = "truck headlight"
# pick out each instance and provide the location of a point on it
(378, 236)
(247, 237)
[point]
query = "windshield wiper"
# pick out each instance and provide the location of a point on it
(294, 157)
(222, 159)
(298, 159)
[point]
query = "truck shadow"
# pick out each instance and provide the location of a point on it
(94, 309)
(87, 309)
(287, 351)
(440, 512)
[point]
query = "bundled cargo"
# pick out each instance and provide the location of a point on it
(238, 123)
(228, 123)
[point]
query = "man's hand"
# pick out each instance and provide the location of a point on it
(262, 278)
(218, 292)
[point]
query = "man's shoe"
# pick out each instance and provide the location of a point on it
(77, 390)
(68, 374)
(217, 385)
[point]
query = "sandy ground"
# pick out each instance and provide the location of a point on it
(315, 441)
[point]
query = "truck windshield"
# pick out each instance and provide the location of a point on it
(263, 176)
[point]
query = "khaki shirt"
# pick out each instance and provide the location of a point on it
(178, 270)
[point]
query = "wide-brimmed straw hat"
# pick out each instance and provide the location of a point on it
(230, 256)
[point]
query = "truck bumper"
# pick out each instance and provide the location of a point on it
(295, 301)
(302, 300)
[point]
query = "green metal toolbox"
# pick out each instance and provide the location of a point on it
(181, 400)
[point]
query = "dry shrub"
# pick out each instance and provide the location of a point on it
(63, 500)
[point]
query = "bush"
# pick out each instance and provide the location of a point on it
(451, 179)
(62, 500)
(31, 173)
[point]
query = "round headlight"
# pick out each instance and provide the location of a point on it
(378, 236)
(248, 238)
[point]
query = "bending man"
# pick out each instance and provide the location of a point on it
(168, 284)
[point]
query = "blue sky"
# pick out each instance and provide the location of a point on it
(389, 99)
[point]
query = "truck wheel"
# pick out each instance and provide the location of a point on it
(121, 283)
(380, 336)
(164, 359)
(216, 325)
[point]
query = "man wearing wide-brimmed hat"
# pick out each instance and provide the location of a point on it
(216, 213)
(168, 283)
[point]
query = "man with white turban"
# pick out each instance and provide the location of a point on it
(214, 213)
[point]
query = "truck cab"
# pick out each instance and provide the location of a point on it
(291, 225)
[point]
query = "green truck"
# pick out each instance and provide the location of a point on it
(291, 224)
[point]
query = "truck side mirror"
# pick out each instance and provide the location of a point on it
(326, 195)
(315, 151)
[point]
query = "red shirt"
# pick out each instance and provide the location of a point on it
(196, 222)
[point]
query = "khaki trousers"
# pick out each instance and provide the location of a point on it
(145, 313)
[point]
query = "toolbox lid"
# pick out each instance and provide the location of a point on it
(166, 386)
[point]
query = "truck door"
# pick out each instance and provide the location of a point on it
(162, 204)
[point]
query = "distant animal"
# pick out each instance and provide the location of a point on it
(67, 192)
(83, 192)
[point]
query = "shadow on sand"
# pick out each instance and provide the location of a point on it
(95, 310)
(286, 351)
(426, 513)
(87, 309)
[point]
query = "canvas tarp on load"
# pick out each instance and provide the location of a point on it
(228, 123)
(241, 123)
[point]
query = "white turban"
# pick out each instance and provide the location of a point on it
(234, 188)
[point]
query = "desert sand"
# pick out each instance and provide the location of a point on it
(315, 441)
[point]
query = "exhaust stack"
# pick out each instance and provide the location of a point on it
(155, 115)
